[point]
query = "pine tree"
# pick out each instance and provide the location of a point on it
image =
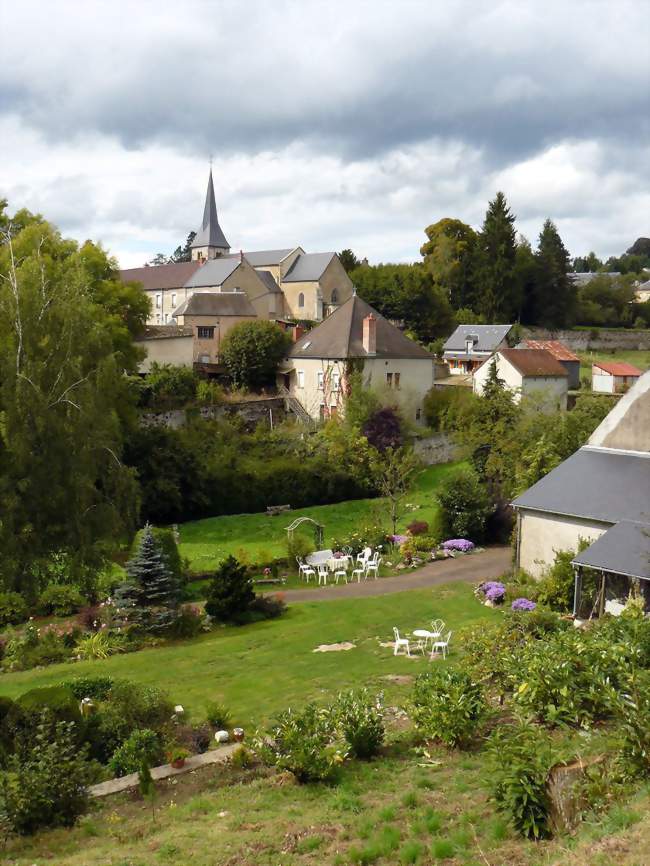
(231, 593)
(497, 289)
(555, 291)
(156, 586)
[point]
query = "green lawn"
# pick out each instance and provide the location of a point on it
(257, 538)
(639, 358)
(262, 668)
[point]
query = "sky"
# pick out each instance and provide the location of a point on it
(329, 124)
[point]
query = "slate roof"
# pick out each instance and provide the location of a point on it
(341, 336)
(308, 267)
(581, 278)
(269, 282)
(595, 484)
(617, 368)
(213, 272)
(534, 362)
(173, 276)
(559, 351)
(216, 304)
(210, 234)
(259, 258)
(165, 332)
(623, 549)
(490, 337)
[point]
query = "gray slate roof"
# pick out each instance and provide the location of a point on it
(490, 337)
(308, 267)
(213, 272)
(165, 332)
(581, 278)
(259, 258)
(216, 304)
(341, 336)
(171, 276)
(623, 549)
(267, 278)
(210, 234)
(595, 484)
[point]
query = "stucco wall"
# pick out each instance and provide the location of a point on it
(170, 299)
(542, 535)
(222, 325)
(318, 294)
(553, 388)
(166, 350)
(627, 426)
(603, 383)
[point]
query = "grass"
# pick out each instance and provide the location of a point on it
(256, 538)
(260, 669)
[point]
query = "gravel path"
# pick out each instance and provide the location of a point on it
(478, 566)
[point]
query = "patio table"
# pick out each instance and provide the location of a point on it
(320, 557)
(426, 635)
(336, 562)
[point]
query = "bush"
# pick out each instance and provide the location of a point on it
(100, 645)
(631, 707)
(59, 701)
(140, 706)
(298, 546)
(230, 593)
(522, 760)
(464, 505)
(303, 743)
(242, 758)
(418, 527)
(189, 622)
(448, 705)
(168, 386)
(268, 606)
(218, 714)
(60, 600)
(383, 429)
(46, 784)
(556, 588)
(195, 738)
(97, 687)
(444, 407)
(13, 609)
(251, 352)
(142, 746)
(361, 719)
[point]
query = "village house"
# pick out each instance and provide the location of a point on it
(470, 345)
(356, 337)
(613, 377)
(600, 495)
(561, 353)
(526, 372)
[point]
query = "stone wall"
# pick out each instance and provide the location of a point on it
(252, 412)
(435, 449)
(599, 339)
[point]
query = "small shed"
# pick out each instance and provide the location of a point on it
(561, 353)
(613, 377)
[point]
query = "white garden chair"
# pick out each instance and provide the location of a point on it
(341, 571)
(305, 570)
(364, 556)
(437, 626)
(359, 573)
(373, 565)
(401, 642)
(323, 573)
(441, 645)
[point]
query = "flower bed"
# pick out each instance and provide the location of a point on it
(523, 604)
(461, 545)
(491, 592)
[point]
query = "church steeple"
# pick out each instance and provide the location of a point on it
(210, 242)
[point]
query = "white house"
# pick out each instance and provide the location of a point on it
(613, 377)
(356, 337)
(470, 345)
(527, 371)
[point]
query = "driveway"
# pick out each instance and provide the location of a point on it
(487, 565)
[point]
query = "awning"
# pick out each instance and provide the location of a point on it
(624, 549)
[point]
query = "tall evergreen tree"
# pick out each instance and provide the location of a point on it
(525, 273)
(149, 572)
(555, 291)
(497, 289)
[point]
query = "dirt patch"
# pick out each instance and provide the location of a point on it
(293, 841)
(399, 679)
(334, 647)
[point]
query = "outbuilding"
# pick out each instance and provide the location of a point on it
(613, 377)
(524, 372)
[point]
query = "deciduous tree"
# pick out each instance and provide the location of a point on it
(251, 352)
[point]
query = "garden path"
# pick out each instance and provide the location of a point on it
(487, 565)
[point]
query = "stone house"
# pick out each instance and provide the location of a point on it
(526, 372)
(356, 337)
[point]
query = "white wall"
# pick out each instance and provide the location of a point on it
(541, 536)
(167, 350)
(602, 382)
(554, 387)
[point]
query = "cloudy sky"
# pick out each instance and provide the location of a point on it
(331, 124)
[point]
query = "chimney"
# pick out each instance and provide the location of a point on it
(370, 335)
(241, 255)
(298, 331)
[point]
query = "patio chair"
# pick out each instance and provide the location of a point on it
(359, 573)
(323, 573)
(305, 570)
(341, 572)
(364, 556)
(441, 646)
(373, 565)
(401, 642)
(437, 626)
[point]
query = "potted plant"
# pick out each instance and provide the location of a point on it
(177, 757)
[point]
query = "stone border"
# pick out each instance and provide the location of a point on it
(195, 762)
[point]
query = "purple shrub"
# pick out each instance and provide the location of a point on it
(523, 604)
(460, 544)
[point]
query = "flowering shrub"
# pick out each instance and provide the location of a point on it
(417, 527)
(398, 539)
(491, 590)
(374, 536)
(523, 604)
(460, 544)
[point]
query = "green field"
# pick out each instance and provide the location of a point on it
(257, 538)
(639, 358)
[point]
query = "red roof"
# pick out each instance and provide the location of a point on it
(617, 368)
(534, 362)
(559, 351)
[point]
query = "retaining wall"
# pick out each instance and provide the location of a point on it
(435, 449)
(598, 339)
(252, 412)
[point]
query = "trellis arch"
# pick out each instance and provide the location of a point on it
(319, 533)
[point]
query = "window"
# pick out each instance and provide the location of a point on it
(204, 359)
(321, 380)
(205, 332)
(301, 299)
(335, 296)
(174, 300)
(158, 318)
(389, 380)
(397, 378)
(166, 318)
(158, 300)
(334, 410)
(322, 412)
(301, 378)
(336, 381)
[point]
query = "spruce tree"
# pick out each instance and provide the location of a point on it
(497, 288)
(555, 291)
(231, 592)
(157, 589)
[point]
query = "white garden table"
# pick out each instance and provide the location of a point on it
(426, 635)
(320, 557)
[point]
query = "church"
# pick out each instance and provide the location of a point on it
(201, 300)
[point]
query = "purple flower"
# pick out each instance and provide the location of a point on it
(461, 544)
(494, 591)
(398, 539)
(523, 604)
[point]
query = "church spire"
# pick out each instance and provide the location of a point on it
(210, 241)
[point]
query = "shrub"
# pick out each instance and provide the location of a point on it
(361, 720)
(189, 622)
(218, 714)
(142, 745)
(268, 606)
(60, 600)
(195, 738)
(448, 705)
(100, 645)
(251, 352)
(444, 407)
(97, 687)
(303, 743)
(58, 700)
(46, 785)
(168, 386)
(242, 758)
(13, 609)
(383, 429)
(230, 593)
(522, 758)
(464, 505)
(140, 706)
(298, 546)
(523, 604)
(418, 527)
(557, 586)
(631, 707)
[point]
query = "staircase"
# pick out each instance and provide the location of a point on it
(293, 405)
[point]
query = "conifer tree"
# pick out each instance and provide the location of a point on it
(555, 291)
(231, 592)
(149, 572)
(497, 289)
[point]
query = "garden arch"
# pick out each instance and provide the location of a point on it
(319, 533)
